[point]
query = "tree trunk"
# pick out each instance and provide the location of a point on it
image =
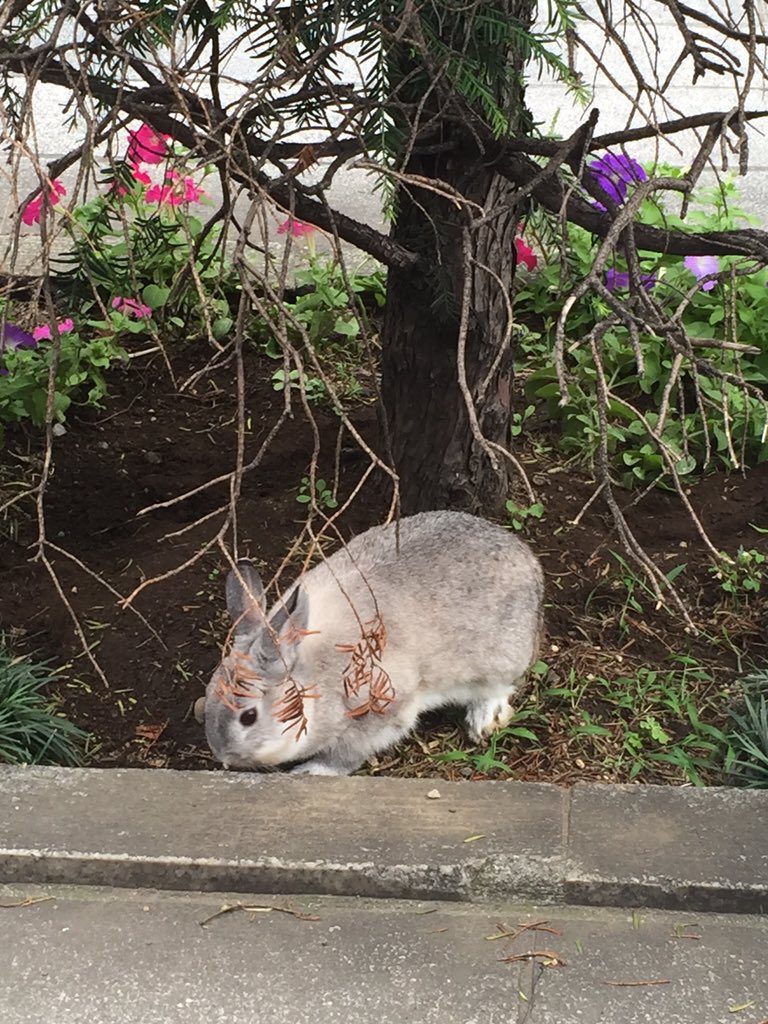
(440, 462)
(437, 455)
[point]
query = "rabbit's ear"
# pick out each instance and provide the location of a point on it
(286, 623)
(245, 599)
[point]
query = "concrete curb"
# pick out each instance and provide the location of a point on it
(683, 849)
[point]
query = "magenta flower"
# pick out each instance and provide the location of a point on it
(192, 192)
(147, 146)
(298, 228)
(13, 337)
(31, 212)
(525, 254)
(139, 175)
(614, 173)
(131, 307)
(180, 190)
(618, 280)
(43, 332)
(703, 266)
(162, 194)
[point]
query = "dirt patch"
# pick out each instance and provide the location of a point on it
(151, 444)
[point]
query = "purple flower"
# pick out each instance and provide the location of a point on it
(613, 173)
(703, 266)
(617, 280)
(12, 337)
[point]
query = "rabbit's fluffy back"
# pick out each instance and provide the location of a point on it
(459, 600)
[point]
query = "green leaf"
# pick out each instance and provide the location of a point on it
(221, 327)
(347, 328)
(155, 296)
(194, 226)
(521, 733)
(685, 465)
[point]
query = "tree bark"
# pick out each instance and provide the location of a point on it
(439, 459)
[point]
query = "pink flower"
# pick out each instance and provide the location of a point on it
(131, 307)
(180, 191)
(298, 228)
(31, 214)
(525, 254)
(43, 332)
(162, 194)
(147, 146)
(33, 209)
(141, 176)
(192, 192)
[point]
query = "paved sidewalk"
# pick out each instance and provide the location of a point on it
(402, 903)
(90, 956)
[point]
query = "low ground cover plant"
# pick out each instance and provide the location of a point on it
(658, 399)
(32, 729)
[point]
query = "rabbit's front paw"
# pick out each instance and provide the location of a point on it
(487, 717)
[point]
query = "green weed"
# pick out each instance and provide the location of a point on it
(649, 719)
(748, 736)
(31, 730)
(323, 494)
(491, 758)
(520, 514)
(314, 388)
(741, 578)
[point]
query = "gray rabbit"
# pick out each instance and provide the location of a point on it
(442, 608)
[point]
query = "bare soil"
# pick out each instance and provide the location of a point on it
(150, 444)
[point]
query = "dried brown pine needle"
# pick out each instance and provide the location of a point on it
(237, 682)
(290, 708)
(534, 926)
(547, 957)
(292, 634)
(300, 915)
(27, 901)
(638, 984)
(364, 670)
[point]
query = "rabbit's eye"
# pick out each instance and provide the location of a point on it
(249, 717)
